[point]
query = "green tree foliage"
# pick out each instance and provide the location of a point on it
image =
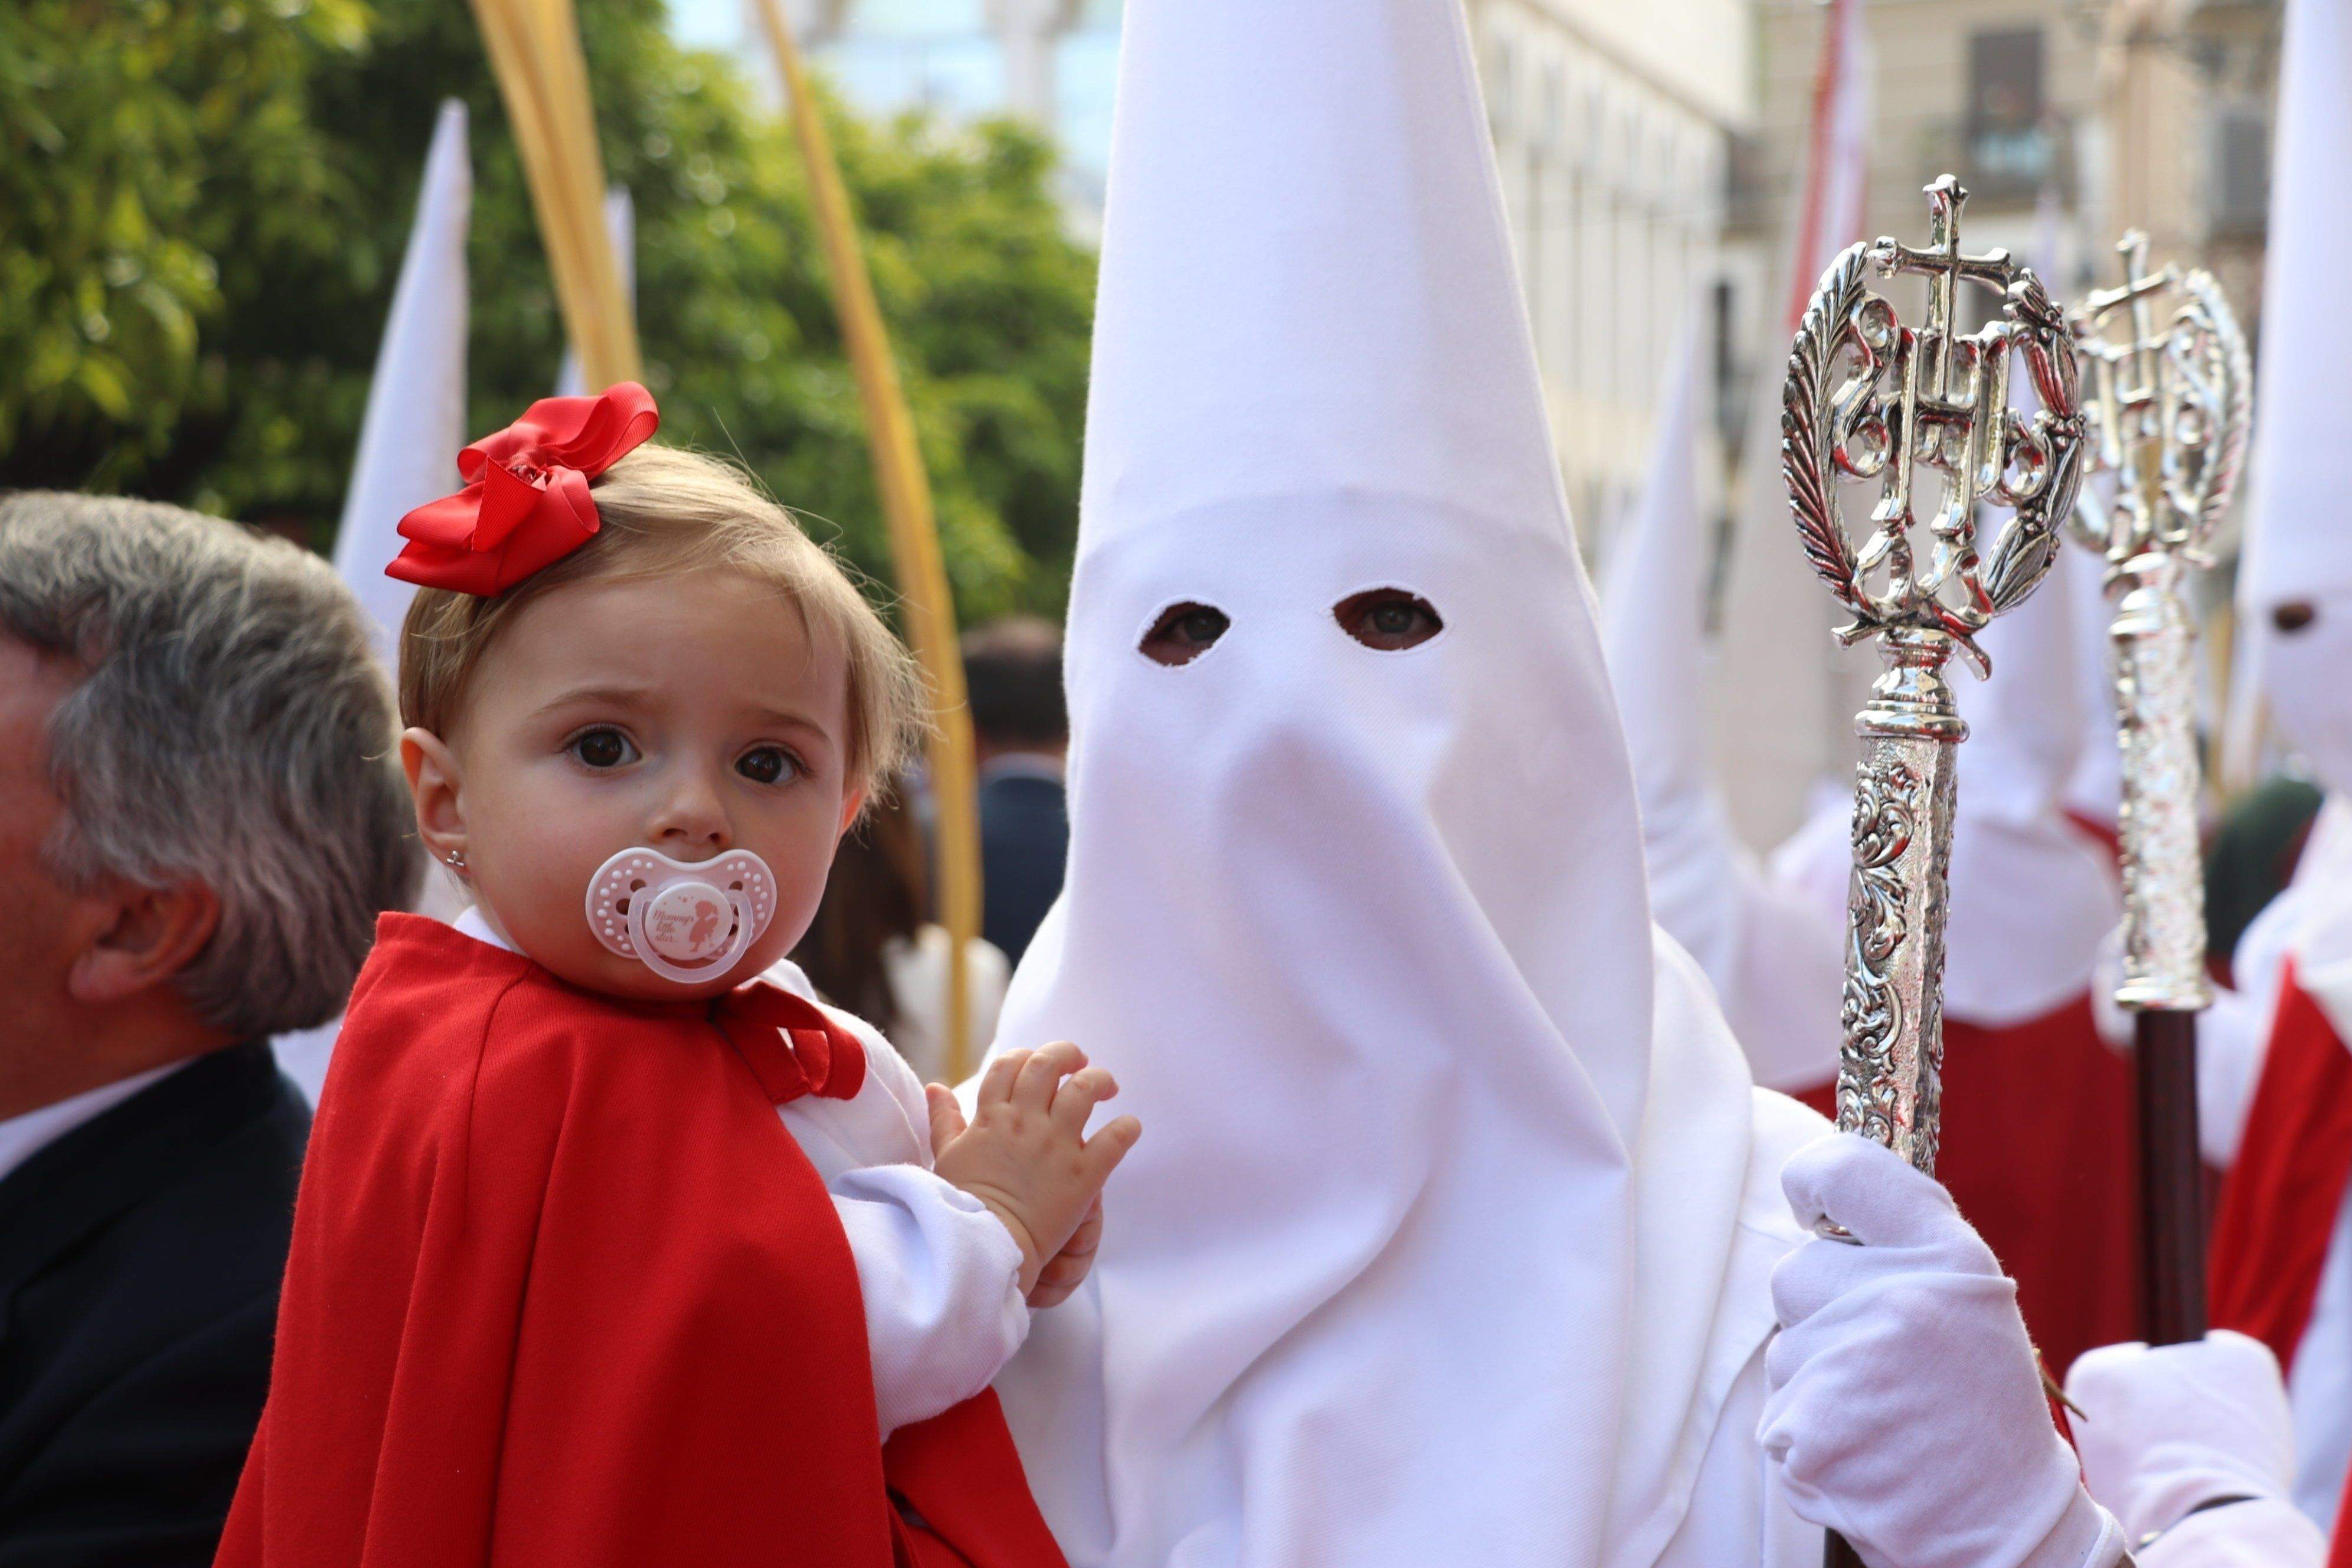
(203, 210)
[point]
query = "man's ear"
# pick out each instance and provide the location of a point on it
(144, 937)
(851, 805)
(434, 783)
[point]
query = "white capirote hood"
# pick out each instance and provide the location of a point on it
(2299, 525)
(1432, 1250)
(1776, 961)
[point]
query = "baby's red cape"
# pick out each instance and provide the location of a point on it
(564, 1290)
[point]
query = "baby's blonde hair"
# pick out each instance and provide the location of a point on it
(662, 513)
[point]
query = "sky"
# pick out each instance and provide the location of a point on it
(899, 54)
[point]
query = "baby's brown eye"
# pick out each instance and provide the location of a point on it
(1389, 619)
(1183, 633)
(2294, 616)
(766, 765)
(602, 748)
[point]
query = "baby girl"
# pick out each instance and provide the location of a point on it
(610, 1250)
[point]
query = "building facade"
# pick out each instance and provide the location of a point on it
(1612, 124)
(1613, 127)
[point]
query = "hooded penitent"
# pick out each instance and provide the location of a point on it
(1448, 1234)
(2299, 536)
(2032, 896)
(1776, 961)
(2282, 1265)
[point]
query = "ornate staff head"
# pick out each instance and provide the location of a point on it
(2169, 401)
(1867, 398)
(1870, 398)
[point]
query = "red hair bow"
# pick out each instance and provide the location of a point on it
(526, 502)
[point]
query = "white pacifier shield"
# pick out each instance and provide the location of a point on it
(687, 921)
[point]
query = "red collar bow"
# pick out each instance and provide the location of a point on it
(526, 502)
(791, 1047)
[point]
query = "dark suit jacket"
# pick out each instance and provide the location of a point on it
(1024, 837)
(140, 1256)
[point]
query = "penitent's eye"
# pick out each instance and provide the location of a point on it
(1389, 619)
(2295, 615)
(1183, 633)
(603, 747)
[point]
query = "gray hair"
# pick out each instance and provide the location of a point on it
(231, 728)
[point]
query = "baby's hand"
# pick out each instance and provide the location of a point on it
(1025, 1155)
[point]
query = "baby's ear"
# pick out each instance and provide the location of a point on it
(852, 805)
(433, 782)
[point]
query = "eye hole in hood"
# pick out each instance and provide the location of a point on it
(1183, 633)
(1388, 619)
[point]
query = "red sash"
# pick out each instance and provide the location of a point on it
(2279, 1205)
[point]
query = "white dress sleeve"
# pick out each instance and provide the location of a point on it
(941, 1276)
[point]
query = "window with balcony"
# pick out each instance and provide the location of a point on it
(2008, 145)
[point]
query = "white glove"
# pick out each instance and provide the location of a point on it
(1906, 1410)
(2165, 1430)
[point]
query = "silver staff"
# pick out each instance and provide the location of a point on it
(1868, 398)
(2169, 401)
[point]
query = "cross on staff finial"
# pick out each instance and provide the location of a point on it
(1943, 262)
(2167, 404)
(2138, 289)
(1952, 412)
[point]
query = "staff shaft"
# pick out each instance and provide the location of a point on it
(2171, 1180)
(1891, 1060)
(2164, 932)
(1890, 1064)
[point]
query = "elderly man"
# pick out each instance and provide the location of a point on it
(199, 822)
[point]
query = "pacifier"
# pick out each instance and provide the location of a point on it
(685, 921)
